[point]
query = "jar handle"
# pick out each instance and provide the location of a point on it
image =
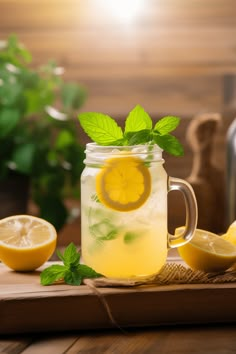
(191, 212)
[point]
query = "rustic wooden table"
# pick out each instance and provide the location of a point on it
(26, 307)
(182, 339)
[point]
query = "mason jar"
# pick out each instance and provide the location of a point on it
(124, 210)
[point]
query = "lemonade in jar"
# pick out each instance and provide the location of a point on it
(124, 191)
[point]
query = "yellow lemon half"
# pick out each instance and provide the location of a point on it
(124, 183)
(230, 235)
(207, 252)
(26, 242)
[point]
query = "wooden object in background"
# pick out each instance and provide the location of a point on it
(206, 179)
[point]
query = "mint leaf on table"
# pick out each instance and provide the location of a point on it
(100, 128)
(73, 278)
(86, 272)
(53, 273)
(60, 256)
(138, 120)
(72, 272)
(71, 256)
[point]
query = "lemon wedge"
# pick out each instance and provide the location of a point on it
(26, 242)
(207, 252)
(124, 183)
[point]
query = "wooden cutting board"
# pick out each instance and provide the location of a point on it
(27, 307)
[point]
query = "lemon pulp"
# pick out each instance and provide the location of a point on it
(208, 252)
(124, 183)
(26, 242)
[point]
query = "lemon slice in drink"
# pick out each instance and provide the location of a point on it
(207, 252)
(230, 235)
(26, 242)
(124, 183)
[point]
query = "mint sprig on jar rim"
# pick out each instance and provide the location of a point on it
(139, 129)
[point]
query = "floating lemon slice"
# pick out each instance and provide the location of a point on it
(207, 252)
(26, 242)
(124, 183)
(230, 235)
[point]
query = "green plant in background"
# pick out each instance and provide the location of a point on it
(38, 135)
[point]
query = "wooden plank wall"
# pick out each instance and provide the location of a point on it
(172, 58)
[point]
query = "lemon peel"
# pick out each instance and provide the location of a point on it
(124, 183)
(26, 242)
(207, 252)
(230, 234)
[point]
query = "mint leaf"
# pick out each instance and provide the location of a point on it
(71, 256)
(119, 142)
(87, 272)
(73, 278)
(53, 273)
(166, 125)
(110, 236)
(72, 272)
(59, 255)
(104, 230)
(169, 143)
(100, 128)
(140, 137)
(130, 237)
(138, 120)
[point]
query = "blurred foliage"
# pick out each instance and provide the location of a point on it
(38, 135)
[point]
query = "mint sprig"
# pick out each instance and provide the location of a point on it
(72, 272)
(138, 130)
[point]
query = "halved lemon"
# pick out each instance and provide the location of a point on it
(124, 183)
(207, 252)
(26, 242)
(230, 234)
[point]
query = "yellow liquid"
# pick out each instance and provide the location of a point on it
(125, 244)
(128, 256)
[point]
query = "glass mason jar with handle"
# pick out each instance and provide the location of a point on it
(124, 210)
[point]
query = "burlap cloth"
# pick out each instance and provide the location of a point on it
(171, 273)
